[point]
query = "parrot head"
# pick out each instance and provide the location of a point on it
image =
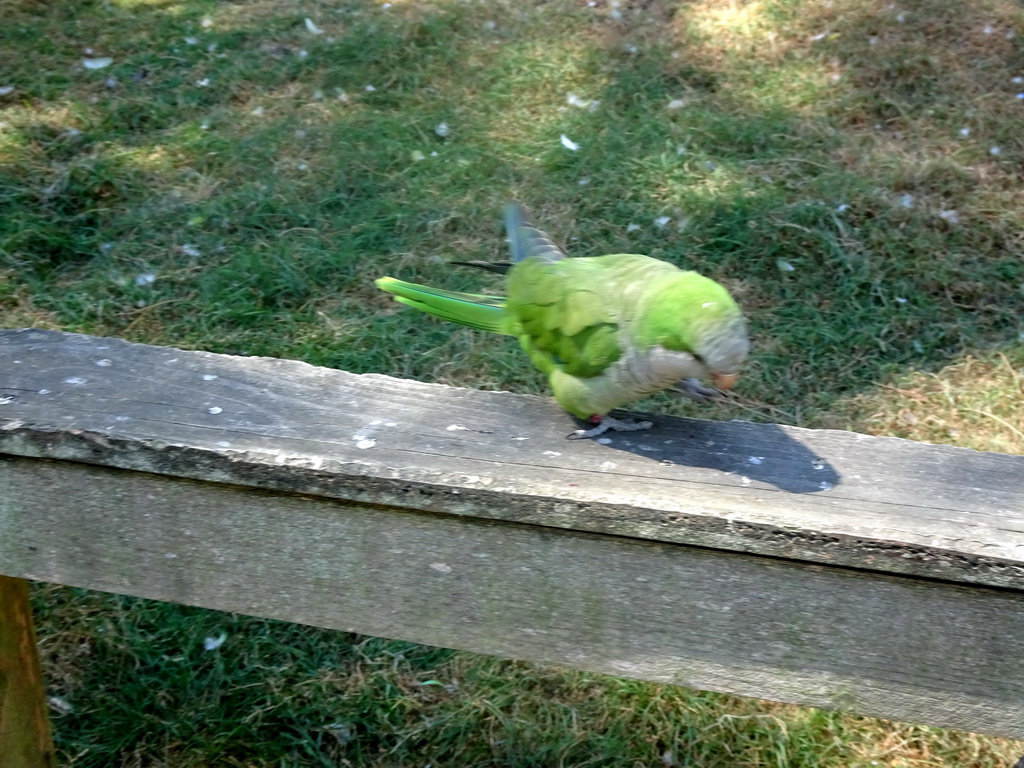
(695, 314)
(721, 345)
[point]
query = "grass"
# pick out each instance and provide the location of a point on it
(851, 169)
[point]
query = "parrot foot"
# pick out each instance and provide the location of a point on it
(604, 423)
(693, 389)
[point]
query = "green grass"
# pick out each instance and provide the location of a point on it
(239, 160)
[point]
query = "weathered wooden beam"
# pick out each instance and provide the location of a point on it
(814, 495)
(24, 726)
(822, 568)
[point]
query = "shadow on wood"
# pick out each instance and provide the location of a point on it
(773, 456)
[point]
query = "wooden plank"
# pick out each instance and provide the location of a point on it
(24, 726)
(819, 496)
(905, 648)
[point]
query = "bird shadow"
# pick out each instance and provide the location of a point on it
(741, 453)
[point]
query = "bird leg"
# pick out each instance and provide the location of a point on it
(603, 423)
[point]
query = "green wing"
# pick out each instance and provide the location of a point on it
(566, 321)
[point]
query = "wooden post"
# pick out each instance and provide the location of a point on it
(24, 727)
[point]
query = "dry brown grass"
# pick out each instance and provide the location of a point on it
(977, 403)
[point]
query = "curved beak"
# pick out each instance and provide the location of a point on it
(724, 381)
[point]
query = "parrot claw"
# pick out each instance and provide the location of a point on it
(693, 389)
(607, 423)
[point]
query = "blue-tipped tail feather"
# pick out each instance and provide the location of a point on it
(525, 240)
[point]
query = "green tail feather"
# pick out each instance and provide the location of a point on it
(486, 313)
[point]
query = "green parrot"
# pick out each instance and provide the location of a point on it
(605, 330)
